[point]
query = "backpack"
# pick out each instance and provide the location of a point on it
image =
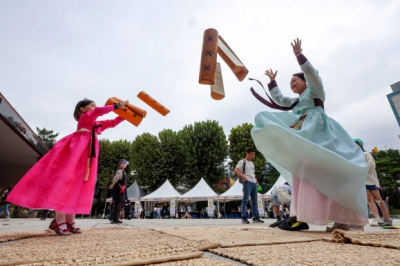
(282, 194)
(291, 224)
(243, 172)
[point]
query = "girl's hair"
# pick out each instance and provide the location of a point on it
(77, 111)
(300, 75)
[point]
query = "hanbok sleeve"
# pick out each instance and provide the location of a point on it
(96, 112)
(110, 123)
(314, 82)
(277, 96)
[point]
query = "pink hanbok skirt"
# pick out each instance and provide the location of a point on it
(56, 181)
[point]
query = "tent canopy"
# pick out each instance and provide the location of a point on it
(134, 193)
(164, 193)
(234, 193)
(200, 192)
(279, 181)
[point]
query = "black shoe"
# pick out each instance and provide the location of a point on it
(258, 221)
(276, 224)
(245, 221)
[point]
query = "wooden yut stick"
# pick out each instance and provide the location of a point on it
(231, 59)
(217, 90)
(208, 61)
(132, 114)
(153, 103)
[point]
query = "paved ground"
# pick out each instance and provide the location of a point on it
(35, 224)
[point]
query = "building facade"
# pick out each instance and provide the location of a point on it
(394, 101)
(20, 147)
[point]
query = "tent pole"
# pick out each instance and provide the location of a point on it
(105, 206)
(218, 208)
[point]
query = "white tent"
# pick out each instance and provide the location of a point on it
(200, 192)
(164, 193)
(234, 193)
(279, 181)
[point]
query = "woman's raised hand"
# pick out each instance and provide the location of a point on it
(297, 47)
(271, 74)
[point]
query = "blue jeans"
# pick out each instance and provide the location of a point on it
(250, 189)
(4, 209)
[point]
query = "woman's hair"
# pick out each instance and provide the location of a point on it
(79, 105)
(361, 147)
(300, 75)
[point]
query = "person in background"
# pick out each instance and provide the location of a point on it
(387, 202)
(128, 210)
(118, 187)
(6, 205)
(246, 171)
(372, 187)
(45, 213)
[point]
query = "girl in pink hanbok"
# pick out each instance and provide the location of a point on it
(64, 179)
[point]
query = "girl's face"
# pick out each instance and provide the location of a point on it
(297, 85)
(88, 107)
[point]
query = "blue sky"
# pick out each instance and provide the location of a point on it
(54, 53)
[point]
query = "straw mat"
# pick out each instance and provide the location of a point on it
(244, 236)
(98, 246)
(11, 236)
(386, 239)
(319, 253)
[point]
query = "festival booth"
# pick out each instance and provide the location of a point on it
(201, 192)
(164, 193)
(236, 193)
(279, 181)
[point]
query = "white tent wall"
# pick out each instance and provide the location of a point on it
(164, 193)
(200, 192)
(234, 193)
(279, 181)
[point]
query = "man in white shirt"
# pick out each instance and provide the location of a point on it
(245, 170)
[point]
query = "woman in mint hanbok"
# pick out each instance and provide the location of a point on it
(313, 152)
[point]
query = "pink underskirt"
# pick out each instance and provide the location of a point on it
(311, 206)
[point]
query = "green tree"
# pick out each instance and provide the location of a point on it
(145, 153)
(388, 170)
(110, 154)
(106, 167)
(239, 140)
(204, 149)
(171, 166)
(47, 136)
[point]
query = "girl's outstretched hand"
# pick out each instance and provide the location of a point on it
(271, 74)
(124, 105)
(297, 47)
